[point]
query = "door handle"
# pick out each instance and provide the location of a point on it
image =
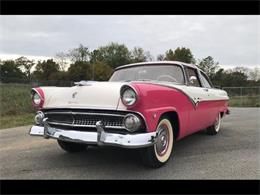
(205, 89)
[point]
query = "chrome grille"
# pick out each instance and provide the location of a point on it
(85, 119)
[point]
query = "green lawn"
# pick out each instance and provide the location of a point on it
(15, 99)
(245, 101)
(16, 120)
(15, 105)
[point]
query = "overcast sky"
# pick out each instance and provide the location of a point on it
(231, 40)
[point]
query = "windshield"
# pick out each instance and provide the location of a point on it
(169, 73)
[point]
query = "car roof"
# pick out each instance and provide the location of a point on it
(156, 63)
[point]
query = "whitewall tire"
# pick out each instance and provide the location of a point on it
(214, 129)
(157, 155)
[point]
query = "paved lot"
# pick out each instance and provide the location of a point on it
(233, 154)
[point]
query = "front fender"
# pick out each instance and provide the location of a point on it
(155, 100)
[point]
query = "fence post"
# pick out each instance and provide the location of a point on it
(241, 97)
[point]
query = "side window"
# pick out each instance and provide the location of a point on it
(193, 78)
(205, 80)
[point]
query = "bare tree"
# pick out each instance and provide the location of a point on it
(62, 60)
(160, 57)
(80, 54)
(255, 74)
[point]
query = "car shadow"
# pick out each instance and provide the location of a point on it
(116, 157)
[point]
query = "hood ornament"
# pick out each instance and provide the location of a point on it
(84, 83)
(74, 94)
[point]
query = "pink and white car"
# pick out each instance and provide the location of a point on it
(146, 105)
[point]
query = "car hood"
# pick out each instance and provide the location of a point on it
(92, 95)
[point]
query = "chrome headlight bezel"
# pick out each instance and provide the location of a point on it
(36, 98)
(128, 95)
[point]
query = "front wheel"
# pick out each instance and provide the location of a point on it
(157, 155)
(214, 129)
(71, 147)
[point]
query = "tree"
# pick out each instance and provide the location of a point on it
(242, 69)
(25, 64)
(237, 79)
(229, 78)
(160, 57)
(46, 70)
(79, 71)
(10, 72)
(113, 55)
(169, 55)
(102, 71)
(255, 74)
(139, 55)
(209, 66)
(62, 58)
(180, 54)
(80, 54)
(219, 77)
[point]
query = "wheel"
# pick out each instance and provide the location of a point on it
(214, 129)
(157, 155)
(71, 147)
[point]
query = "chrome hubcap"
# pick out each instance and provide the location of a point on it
(163, 140)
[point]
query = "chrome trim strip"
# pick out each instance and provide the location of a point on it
(75, 125)
(155, 63)
(85, 113)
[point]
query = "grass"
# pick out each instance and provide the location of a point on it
(16, 120)
(245, 101)
(15, 99)
(15, 105)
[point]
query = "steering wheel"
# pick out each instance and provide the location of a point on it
(160, 78)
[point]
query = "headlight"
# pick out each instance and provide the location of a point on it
(39, 118)
(128, 96)
(36, 99)
(132, 122)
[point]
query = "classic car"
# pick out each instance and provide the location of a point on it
(147, 106)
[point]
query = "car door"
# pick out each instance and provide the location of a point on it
(198, 116)
(210, 102)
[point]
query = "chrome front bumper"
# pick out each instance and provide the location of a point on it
(98, 138)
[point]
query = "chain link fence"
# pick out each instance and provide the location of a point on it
(243, 96)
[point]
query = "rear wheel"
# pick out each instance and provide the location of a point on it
(214, 129)
(71, 147)
(157, 155)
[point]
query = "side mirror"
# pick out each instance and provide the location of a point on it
(192, 79)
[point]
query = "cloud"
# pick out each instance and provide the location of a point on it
(230, 40)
